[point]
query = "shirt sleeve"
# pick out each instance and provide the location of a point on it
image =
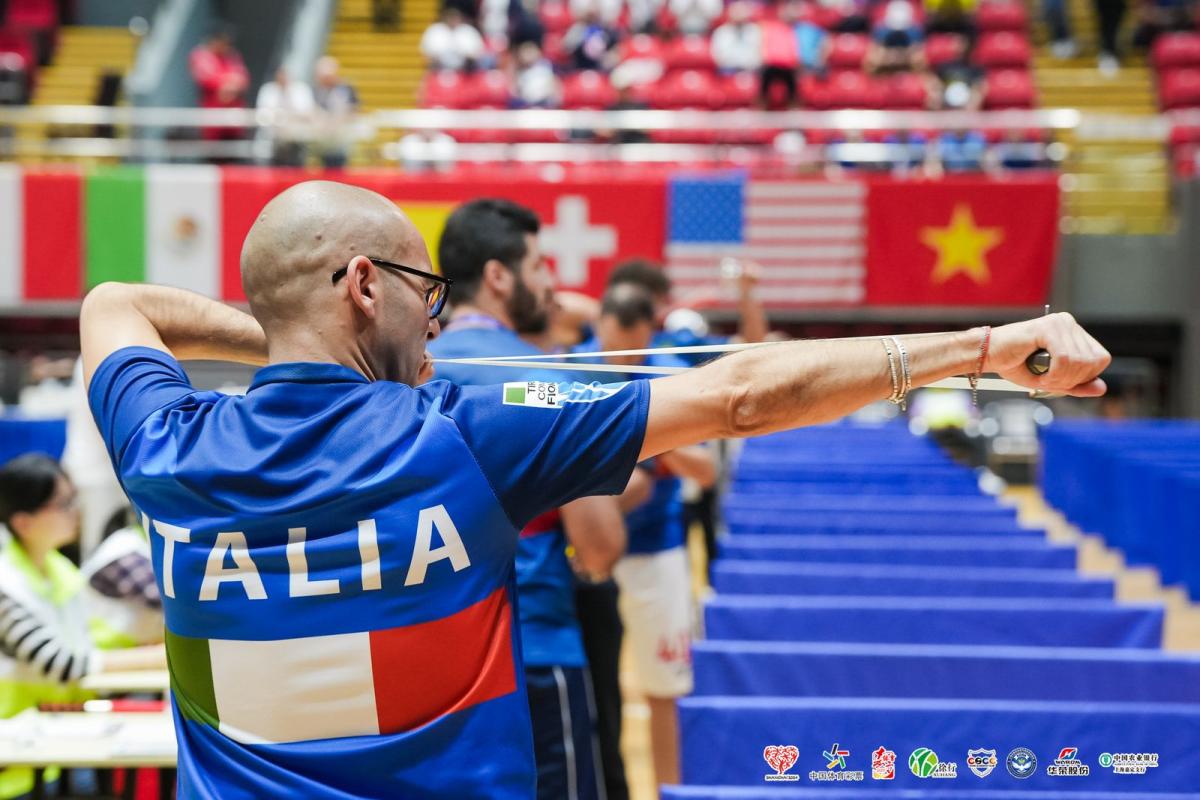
(129, 386)
(541, 445)
(26, 640)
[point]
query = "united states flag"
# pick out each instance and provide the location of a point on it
(808, 236)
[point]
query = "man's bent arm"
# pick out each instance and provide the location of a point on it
(595, 527)
(185, 324)
(793, 384)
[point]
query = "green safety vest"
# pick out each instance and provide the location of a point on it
(56, 599)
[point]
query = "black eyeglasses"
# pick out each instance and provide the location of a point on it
(435, 295)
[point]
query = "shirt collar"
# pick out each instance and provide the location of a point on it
(306, 372)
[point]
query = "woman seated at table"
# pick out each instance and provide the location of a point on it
(45, 646)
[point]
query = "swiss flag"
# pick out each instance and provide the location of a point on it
(964, 242)
(589, 222)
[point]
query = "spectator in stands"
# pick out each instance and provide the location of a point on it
(957, 151)
(1109, 13)
(534, 84)
(896, 41)
(1062, 44)
(608, 11)
(452, 43)
(45, 644)
(221, 79)
(737, 44)
(1160, 16)
(1018, 150)
(14, 81)
(695, 16)
(524, 25)
(780, 61)
(624, 79)
(643, 14)
(339, 102)
(287, 108)
(812, 41)
(956, 84)
(849, 16)
(591, 43)
(385, 14)
(427, 150)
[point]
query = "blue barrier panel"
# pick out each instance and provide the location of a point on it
(926, 479)
(771, 484)
(900, 506)
(924, 620)
(723, 739)
(19, 436)
(932, 551)
(847, 669)
(770, 577)
(778, 790)
(832, 522)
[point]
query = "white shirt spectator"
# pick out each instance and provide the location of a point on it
(696, 16)
(451, 46)
(291, 105)
(607, 10)
(737, 46)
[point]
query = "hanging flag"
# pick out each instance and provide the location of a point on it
(961, 242)
(51, 220)
(807, 236)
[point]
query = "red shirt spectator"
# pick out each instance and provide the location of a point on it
(221, 79)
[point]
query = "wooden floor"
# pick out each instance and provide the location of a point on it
(1134, 584)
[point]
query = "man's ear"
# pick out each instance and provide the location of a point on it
(362, 279)
(498, 278)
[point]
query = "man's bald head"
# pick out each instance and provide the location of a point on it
(309, 231)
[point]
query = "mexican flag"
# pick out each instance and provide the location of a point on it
(63, 231)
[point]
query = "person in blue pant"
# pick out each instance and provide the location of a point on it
(502, 289)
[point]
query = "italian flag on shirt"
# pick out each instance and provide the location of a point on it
(350, 684)
(158, 223)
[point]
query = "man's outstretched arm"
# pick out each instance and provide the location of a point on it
(794, 384)
(182, 323)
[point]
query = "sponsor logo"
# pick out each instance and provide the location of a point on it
(982, 762)
(924, 763)
(1129, 763)
(1068, 764)
(883, 764)
(1021, 763)
(543, 394)
(835, 766)
(781, 758)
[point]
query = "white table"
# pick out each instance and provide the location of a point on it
(151, 681)
(106, 740)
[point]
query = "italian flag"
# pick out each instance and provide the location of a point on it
(350, 684)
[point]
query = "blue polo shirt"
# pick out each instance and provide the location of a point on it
(335, 558)
(550, 633)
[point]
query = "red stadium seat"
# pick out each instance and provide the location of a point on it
(18, 43)
(740, 90)
(1185, 134)
(1003, 49)
(555, 16)
(906, 91)
(33, 14)
(852, 90)
(1180, 88)
(489, 89)
(1173, 50)
(941, 48)
(1009, 88)
(1001, 15)
(444, 90)
(587, 90)
(642, 46)
(552, 47)
(847, 51)
(689, 89)
(689, 52)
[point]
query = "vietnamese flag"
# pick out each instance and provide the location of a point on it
(961, 241)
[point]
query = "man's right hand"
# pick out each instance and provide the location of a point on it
(1076, 359)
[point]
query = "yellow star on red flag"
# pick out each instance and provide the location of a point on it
(961, 246)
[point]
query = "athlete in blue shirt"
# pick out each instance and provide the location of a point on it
(335, 548)
(502, 284)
